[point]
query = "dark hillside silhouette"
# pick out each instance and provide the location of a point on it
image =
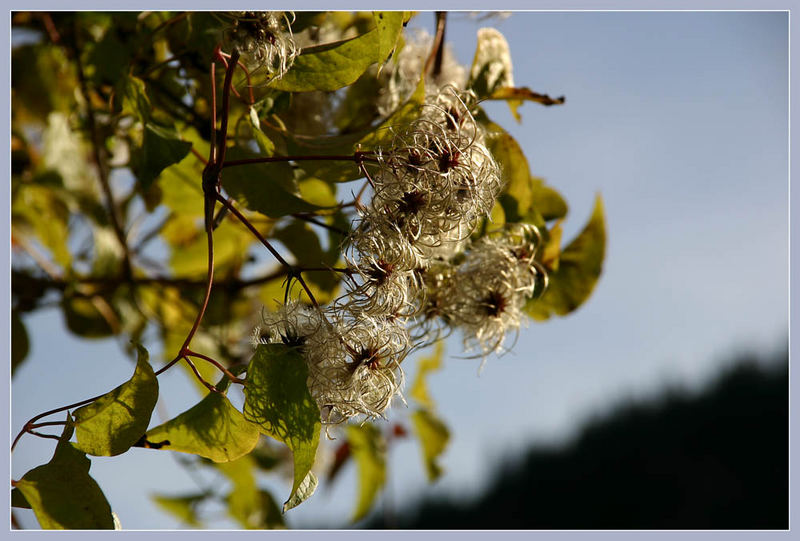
(717, 459)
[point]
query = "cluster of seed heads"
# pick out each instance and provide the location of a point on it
(413, 273)
(264, 39)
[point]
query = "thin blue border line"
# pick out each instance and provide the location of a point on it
(542, 6)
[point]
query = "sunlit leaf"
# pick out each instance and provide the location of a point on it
(181, 187)
(419, 389)
(134, 98)
(491, 66)
(368, 449)
(389, 24)
(579, 267)
(61, 492)
(552, 248)
(161, 147)
(38, 211)
(317, 192)
(243, 498)
(433, 436)
(333, 66)
(114, 422)
(358, 109)
(547, 201)
(266, 146)
(213, 429)
(304, 491)
(517, 196)
(184, 508)
(231, 241)
(248, 505)
(277, 399)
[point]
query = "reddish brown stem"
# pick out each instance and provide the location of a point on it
(199, 377)
(224, 370)
(27, 426)
(314, 221)
(357, 157)
(292, 271)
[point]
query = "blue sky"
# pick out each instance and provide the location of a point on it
(680, 121)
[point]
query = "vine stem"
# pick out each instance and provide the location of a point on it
(231, 376)
(293, 272)
(357, 157)
(437, 50)
(211, 186)
(27, 426)
(102, 170)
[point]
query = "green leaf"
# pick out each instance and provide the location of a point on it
(38, 210)
(271, 513)
(433, 436)
(491, 65)
(358, 109)
(266, 146)
(83, 317)
(517, 197)
(184, 508)
(161, 147)
(368, 449)
(369, 139)
(547, 201)
(333, 66)
(110, 59)
(19, 341)
(243, 500)
(419, 389)
(277, 399)
(317, 192)
(134, 98)
(491, 74)
(181, 187)
(304, 491)
(389, 25)
(212, 428)
(62, 494)
(579, 267)
(263, 187)
(231, 242)
(251, 507)
(114, 422)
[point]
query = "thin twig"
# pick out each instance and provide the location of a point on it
(292, 272)
(224, 370)
(437, 49)
(199, 377)
(314, 221)
(357, 157)
(102, 170)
